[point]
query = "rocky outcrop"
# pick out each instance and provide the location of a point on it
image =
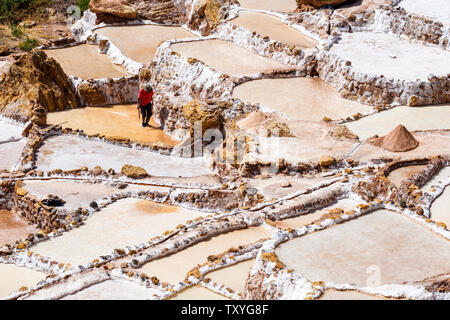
(134, 172)
(205, 15)
(35, 79)
(116, 8)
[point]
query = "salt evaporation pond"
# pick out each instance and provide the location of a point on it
(114, 120)
(10, 153)
(71, 152)
(308, 99)
(413, 118)
(85, 61)
(227, 58)
(13, 277)
(198, 293)
(174, 268)
(234, 276)
(115, 289)
(440, 10)
(384, 54)
(399, 175)
(13, 227)
(75, 194)
(140, 43)
(439, 209)
(270, 5)
(9, 131)
(125, 222)
(274, 28)
(354, 252)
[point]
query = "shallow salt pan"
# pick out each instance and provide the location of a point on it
(274, 28)
(226, 57)
(270, 5)
(399, 175)
(10, 154)
(174, 268)
(125, 222)
(75, 194)
(299, 98)
(198, 293)
(116, 289)
(9, 131)
(439, 9)
(413, 118)
(233, 277)
(13, 228)
(139, 43)
(13, 277)
(439, 208)
(383, 54)
(116, 120)
(70, 152)
(348, 295)
(85, 62)
(379, 248)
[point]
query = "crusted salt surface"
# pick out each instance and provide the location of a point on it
(13, 278)
(269, 5)
(70, 152)
(438, 9)
(377, 53)
(353, 251)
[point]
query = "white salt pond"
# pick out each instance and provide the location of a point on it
(439, 10)
(379, 248)
(439, 209)
(227, 58)
(85, 61)
(274, 28)
(71, 152)
(75, 194)
(272, 187)
(10, 153)
(308, 99)
(125, 222)
(234, 276)
(115, 289)
(198, 293)
(270, 5)
(399, 175)
(413, 118)
(174, 268)
(384, 54)
(13, 278)
(140, 43)
(9, 131)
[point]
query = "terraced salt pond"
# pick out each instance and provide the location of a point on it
(226, 57)
(308, 99)
(233, 277)
(439, 209)
(274, 28)
(270, 5)
(413, 118)
(11, 145)
(115, 120)
(399, 175)
(139, 43)
(383, 54)
(13, 277)
(174, 268)
(13, 227)
(398, 248)
(125, 222)
(198, 293)
(439, 10)
(115, 289)
(85, 61)
(71, 152)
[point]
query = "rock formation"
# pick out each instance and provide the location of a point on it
(35, 78)
(398, 140)
(205, 15)
(321, 3)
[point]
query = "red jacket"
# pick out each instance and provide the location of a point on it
(144, 97)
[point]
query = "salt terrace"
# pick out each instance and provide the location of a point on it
(332, 181)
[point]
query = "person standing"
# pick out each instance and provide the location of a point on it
(145, 103)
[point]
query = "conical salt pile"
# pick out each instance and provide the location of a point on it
(398, 140)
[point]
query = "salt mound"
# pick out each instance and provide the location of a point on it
(398, 140)
(255, 118)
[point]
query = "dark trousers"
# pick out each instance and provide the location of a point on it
(146, 112)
